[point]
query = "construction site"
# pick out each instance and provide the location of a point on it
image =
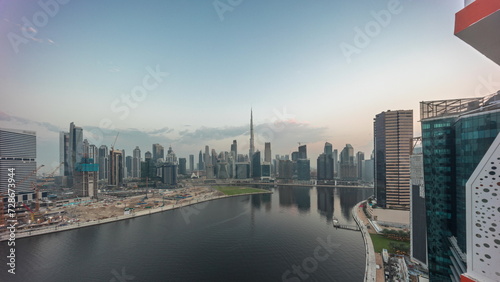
(66, 212)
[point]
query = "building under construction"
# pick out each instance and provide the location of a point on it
(85, 178)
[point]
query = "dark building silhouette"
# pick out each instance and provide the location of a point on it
(182, 166)
(191, 163)
(285, 170)
(303, 169)
(256, 166)
(302, 152)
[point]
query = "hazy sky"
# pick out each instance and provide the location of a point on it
(186, 73)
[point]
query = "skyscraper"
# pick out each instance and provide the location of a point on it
(86, 148)
(368, 171)
(171, 157)
(115, 168)
(93, 153)
(103, 162)
(214, 157)
(64, 152)
(285, 169)
(477, 25)
(158, 152)
(267, 152)
(17, 150)
(348, 170)
(148, 167)
(206, 157)
(328, 149)
(418, 220)
(303, 169)
(393, 132)
(303, 164)
(200, 161)
(456, 134)
(302, 152)
(136, 163)
(242, 170)
(252, 145)
(234, 149)
(360, 157)
(222, 170)
(256, 166)
(124, 164)
(169, 174)
(85, 178)
(191, 163)
(233, 158)
(182, 166)
(325, 163)
(75, 146)
(266, 171)
(321, 167)
(335, 163)
(128, 162)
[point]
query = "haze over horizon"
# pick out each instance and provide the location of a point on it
(187, 74)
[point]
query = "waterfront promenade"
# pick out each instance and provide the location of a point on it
(371, 272)
(51, 229)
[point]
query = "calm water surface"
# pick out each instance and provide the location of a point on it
(245, 238)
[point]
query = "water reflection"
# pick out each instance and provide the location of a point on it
(262, 200)
(325, 202)
(350, 197)
(295, 196)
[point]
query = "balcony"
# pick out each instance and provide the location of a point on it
(478, 25)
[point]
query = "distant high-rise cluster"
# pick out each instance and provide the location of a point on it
(259, 165)
(79, 162)
(111, 168)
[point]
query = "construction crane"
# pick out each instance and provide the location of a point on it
(2, 219)
(32, 214)
(36, 187)
(113, 146)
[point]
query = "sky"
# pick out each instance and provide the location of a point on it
(187, 73)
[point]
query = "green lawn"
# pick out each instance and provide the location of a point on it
(380, 242)
(235, 190)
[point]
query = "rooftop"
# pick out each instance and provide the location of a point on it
(453, 107)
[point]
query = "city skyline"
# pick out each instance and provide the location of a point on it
(304, 72)
(134, 137)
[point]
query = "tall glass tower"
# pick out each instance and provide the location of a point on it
(455, 136)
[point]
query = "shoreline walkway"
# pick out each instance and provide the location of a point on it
(370, 267)
(52, 229)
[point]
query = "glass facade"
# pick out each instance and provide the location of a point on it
(303, 169)
(438, 146)
(452, 149)
(17, 150)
